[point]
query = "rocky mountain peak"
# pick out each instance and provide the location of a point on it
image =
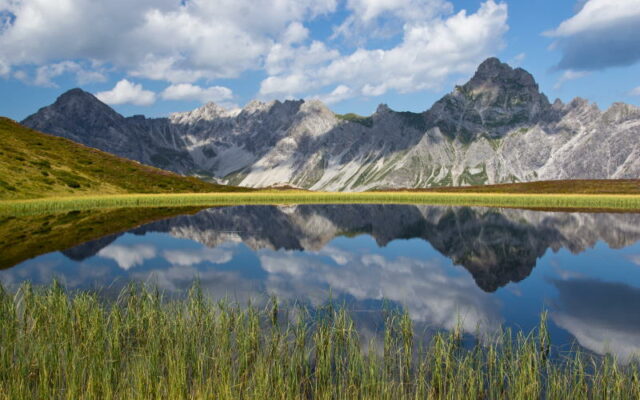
(494, 72)
(74, 107)
(383, 109)
(78, 101)
(207, 112)
(497, 99)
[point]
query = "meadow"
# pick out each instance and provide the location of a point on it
(573, 202)
(140, 345)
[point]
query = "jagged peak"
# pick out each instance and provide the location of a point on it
(494, 72)
(619, 112)
(383, 109)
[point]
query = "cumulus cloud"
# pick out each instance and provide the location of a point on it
(385, 18)
(429, 52)
(601, 34)
(46, 73)
(167, 40)
(188, 91)
(127, 92)
(341, 92)
(199, 40)
(128, 256)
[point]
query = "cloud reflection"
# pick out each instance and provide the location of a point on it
(602, 316)
(128, 256)
(426, 288)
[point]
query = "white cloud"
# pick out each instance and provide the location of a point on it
(127, 92)
(295, 33)
(636, 92)
(187, 91)
(569, 75)
(46, 73)
(385, 18)
(597, 14)
(603, 33)
(200, 40)
(430, 51)
(341, 92)
(157, 39)
(128, 256)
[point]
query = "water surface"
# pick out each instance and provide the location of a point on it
(480, 268)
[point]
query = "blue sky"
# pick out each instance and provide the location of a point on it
(155, 57)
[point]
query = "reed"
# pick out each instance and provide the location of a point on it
(59, 345)
(620, 202)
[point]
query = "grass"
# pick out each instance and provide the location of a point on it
(30, 236)
(57, 345)
(573, 202)
(358, 119)
(570, 186)
(34, 164)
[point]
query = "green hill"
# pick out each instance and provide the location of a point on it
(34, 164)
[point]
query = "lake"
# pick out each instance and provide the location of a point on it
(478, 268)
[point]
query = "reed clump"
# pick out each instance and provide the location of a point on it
(57, 345)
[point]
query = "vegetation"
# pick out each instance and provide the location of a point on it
(33, 164)
(358, 119)
(140, 346)
(30, 236)
(573, 202)
(570, 186)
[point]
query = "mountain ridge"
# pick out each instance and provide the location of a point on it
(496, 128)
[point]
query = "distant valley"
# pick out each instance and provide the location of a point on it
(496, 128)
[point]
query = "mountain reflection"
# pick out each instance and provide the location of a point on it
(444, 265)
(495, 246)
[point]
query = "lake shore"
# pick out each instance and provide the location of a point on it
(547, 201)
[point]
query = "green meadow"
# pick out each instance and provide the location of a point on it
(139, 345)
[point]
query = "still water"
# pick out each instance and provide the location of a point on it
(480, 268)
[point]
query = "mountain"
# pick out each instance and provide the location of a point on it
(496, 128)
(34, 164)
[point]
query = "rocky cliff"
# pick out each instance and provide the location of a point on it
(498, 127)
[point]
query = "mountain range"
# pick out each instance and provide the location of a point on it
(498, 127)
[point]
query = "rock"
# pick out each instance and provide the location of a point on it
(498, 127)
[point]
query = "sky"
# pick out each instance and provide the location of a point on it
(155, 57)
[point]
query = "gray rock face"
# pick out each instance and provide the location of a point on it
(496, 128)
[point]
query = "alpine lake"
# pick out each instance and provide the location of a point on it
(479, 269)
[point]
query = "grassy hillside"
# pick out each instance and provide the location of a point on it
(34, 164)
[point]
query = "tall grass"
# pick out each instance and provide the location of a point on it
(555, 201)
(54, 345)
